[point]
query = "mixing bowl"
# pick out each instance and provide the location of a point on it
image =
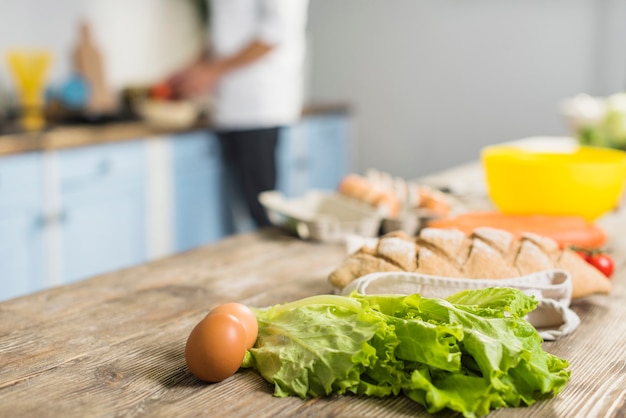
(166, 114)
(583, 181)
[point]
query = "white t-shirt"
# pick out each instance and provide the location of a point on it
(269, 91)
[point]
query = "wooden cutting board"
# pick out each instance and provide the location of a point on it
(89, 64)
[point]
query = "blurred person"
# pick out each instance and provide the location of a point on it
(253, 67)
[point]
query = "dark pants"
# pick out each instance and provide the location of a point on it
(252, 153)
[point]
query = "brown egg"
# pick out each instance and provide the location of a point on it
(355, 186)
(390, 203)
(245, 316)
(216, 347)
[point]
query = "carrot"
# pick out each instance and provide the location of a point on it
(565, 230)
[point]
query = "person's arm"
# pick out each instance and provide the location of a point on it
(274, 18)
(249, 54)
(203, 75)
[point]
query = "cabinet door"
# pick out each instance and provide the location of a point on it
(103, 208)
(21, 238)
(328, 140)
(292, 161)
(102, 232)
(20, 256)
(200, 210)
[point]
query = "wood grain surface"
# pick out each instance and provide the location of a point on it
(112, 346)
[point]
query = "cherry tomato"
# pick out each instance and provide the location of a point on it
(598, 259)
(161, 91)
(602, 262)
(582, 254)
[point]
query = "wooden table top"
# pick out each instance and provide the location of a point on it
(113, 345)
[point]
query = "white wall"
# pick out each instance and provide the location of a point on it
(144, 40)
(432, 81)
(38, 24)
(141, 40)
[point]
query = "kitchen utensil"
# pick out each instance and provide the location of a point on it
(29, 69)
(166, 114)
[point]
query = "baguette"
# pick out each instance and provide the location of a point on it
(487, 253)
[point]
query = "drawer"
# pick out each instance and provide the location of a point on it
(102, 165)
(195, 151)
(20, 171)
(293, 161)
(292, 142)
(20, 179)
(327, 127)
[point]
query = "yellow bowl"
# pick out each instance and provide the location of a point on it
(584, 181)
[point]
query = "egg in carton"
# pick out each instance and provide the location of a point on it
(406, 205)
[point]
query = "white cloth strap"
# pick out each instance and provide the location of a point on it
(552, 288)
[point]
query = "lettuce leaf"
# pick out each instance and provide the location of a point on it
(471, 353)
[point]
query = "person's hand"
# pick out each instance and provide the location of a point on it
(196, 79)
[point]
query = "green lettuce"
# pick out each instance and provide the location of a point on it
(471, 353)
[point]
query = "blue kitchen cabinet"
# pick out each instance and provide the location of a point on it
(21, 237)
(313, 154)
(200, 209)
(292, 161)
(71, 214)
(327, 140)
(102, 192)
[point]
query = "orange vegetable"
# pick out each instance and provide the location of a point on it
(565, 230)
(162, 91)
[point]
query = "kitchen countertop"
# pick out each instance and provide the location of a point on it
(68, 136)
(113, 345)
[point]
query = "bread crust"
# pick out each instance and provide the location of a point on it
(488, 253)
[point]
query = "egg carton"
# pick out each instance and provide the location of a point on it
(407, 211)
(322, 215)
(408, 221)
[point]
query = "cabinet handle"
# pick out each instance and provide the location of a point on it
(48, 219)
(40, 221)
(104, 167)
